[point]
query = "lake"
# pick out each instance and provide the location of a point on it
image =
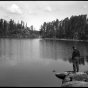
(30, 62)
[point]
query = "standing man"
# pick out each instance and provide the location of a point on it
(75, 58)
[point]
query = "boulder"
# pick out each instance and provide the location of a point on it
(62, 75)
(70, 78)
(75, 84)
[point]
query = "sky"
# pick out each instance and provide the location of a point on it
(37, 12)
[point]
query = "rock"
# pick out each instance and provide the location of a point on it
(80, 76)
(75, 84)
(54, 71)
(61, 75)
(86, 72)
(70, 78)
(67, 79)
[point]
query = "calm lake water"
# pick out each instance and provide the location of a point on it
(30, 62)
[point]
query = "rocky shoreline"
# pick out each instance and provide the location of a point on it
(71, 79)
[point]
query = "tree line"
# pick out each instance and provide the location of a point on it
(12, 29)
(75, 27)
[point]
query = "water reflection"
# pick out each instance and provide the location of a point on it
(82, 60)
(56, 50)
(13, 51)
(10, 51)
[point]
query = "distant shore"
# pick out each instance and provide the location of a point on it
(20, 37)
(65, 39)
(46, 38)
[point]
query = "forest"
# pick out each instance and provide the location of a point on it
(75, 27)
(11, 29)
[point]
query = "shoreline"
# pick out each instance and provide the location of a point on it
(46, 39)
(66, 39)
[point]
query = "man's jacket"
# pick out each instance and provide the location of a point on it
(75, 53)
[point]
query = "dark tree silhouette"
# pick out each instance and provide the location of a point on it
(13, 29)
(75, 27)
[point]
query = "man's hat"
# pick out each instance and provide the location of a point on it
(73, 47)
